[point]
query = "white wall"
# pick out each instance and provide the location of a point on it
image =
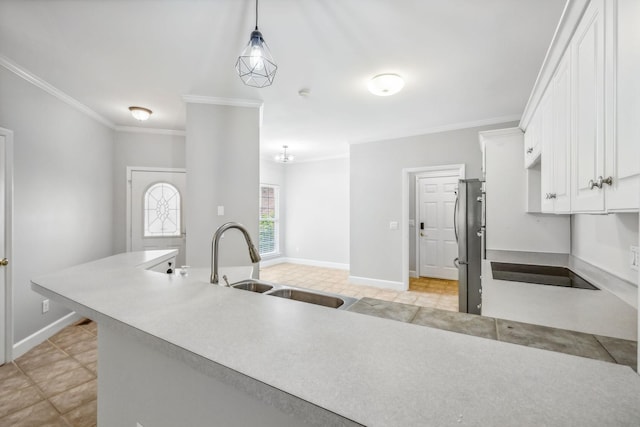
(223, 169)
(376, 192)
(139, 149)
(317, 211)
(509, 226)
(63, 193)
(604, 241)
(274, 174)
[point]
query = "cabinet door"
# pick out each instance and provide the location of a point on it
(545, 109)
(587, 108)
(623, 107)
(561, 86)
(531, 140)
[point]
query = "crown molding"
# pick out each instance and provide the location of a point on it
(213, 100)
(134, 129)
(52, 90)
(439, 129)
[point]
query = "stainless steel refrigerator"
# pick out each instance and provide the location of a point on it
(469, 227)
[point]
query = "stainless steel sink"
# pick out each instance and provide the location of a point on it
(309, 297)
(252, 285)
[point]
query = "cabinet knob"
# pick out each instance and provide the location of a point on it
(596, 184)
(4, 262)
(608, 180)
(552, 195)
(529, 150)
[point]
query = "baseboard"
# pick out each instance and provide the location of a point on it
(384, 284)
(43, 334)
(303, 261)
(413, 273)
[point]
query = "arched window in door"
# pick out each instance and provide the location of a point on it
(162, 210)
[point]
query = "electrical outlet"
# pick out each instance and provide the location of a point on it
(635, 258)
(45, 306)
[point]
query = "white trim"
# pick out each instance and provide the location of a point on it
(213, 100)
(134, 129)
(52, 90)
(439, 129)
(8, 247)
(130, 170)
(384, 284)
(404, 224)
(272, 261)
(43, 334)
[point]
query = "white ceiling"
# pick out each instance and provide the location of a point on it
(464, 61)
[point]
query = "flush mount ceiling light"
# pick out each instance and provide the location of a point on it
(385, 84)
(255, 65)
(140, 113)
(284, 157)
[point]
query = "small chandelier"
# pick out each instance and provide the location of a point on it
(284, 157)
(255, 65)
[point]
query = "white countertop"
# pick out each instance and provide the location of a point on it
(370, 370)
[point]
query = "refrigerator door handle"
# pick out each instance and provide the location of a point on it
(455, 215)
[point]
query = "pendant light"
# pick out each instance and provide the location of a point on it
(284, 157)
(255, 65)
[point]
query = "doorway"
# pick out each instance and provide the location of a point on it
(155, 210)
(436, 246)
(6, 198)
(409, 224)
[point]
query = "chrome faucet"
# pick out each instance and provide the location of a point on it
(253, 252)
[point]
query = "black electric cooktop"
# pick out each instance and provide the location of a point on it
(540, 274)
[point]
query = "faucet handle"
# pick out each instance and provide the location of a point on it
(225, 280)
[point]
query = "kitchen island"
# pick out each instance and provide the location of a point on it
(179, 351)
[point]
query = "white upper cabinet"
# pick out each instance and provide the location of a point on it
(587, 106)
(589, 86)
(561, 85)
(622, 116)
(556, 147)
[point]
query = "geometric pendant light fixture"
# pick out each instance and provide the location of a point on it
(255, 65)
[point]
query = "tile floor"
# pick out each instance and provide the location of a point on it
(423, 292)
(54, 384)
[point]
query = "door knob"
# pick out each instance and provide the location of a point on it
(4, 262)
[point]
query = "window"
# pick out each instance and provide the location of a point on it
(162, 211)
(269, 220)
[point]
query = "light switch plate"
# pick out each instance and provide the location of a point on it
(220, 210)
(635, 258)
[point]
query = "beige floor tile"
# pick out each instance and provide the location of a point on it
(47, 372)
(81, 346)
(65, 381)
(87, 357)
(13, 383)
(41, 348)
(83, 416)
(40, 414)
(76, 333)
(9, 370)
(18, 400)
(29, 363)
(75, 397)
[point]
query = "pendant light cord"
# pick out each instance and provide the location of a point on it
(256, 14)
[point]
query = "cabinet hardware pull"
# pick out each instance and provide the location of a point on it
(593, 184)
(607, 180)
(552, 195)
(529, 150)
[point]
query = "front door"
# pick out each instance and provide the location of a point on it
(157, 217)
(438, 247)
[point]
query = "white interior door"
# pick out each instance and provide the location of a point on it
(438, 247)
(157, 217)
